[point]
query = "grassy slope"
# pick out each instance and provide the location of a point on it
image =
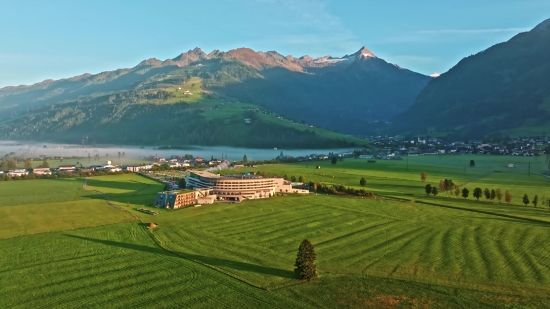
(227, 110)
(359, 242)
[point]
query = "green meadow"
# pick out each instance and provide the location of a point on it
(410, 251)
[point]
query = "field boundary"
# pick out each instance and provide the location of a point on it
(467, 209)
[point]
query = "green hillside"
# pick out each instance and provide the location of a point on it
(500, 91)
(183, 114)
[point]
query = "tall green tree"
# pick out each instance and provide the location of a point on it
(28, 163)
(45, 164)
(9, 164)
(305, 261)
(182, 183)
(472, 163)
(363, 181)
(428, 189)
(465, 193)
(293, 178)
(301, 179)
(434, 191)
(478, 193)
(525, 199)
(487, 193)
(493, 194)
(334, 160)
(535, 200)
(245, 159)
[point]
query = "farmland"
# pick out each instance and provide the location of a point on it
(435, 252)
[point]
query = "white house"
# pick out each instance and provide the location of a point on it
(42, 171)
(18, 172)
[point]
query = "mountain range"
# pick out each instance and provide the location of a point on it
(337, 93)
(200, 98)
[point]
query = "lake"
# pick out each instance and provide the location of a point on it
(35, 149)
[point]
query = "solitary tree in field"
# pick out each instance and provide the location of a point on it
(487, 193)
(525, 199)
(363, 181)
(499, 194)
(508, 197)
(535, 200)
(334, 160)
(472, 163)
(305, 262)
(301, 179)
(423, 176)
(434, 191)
(428, 189)
(465, 193)
(493, 194)
(478, 193)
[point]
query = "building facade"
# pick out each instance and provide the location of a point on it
(240, 187)
(180, 198)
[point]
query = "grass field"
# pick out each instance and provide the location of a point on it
(451, 253)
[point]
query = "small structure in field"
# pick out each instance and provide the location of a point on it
(510, 164)
(152, 225)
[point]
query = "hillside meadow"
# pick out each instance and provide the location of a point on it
(435, 252)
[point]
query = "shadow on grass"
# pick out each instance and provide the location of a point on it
(223, 263)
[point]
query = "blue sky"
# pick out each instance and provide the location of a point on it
(63, 38)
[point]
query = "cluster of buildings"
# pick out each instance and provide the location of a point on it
(533, 146)
(206, 188)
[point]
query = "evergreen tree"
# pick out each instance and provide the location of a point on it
(245, 159)
(45, 164)
(472, 163)
(535, 200)
(334, 160)
(465, 193)
(525, 199)
(363, 181)
(434, 191)
(428, 189)
(301, 179)
(305, 261)
(478, 193)
(293, 178)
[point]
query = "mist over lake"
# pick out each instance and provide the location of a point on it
(34, 149)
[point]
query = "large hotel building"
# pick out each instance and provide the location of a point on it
(240, 187)
(207, 187)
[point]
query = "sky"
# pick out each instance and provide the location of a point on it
(63, 38)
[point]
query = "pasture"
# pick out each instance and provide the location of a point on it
(435, 252)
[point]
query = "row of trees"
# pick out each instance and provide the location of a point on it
(338, 189)
(454, 190)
